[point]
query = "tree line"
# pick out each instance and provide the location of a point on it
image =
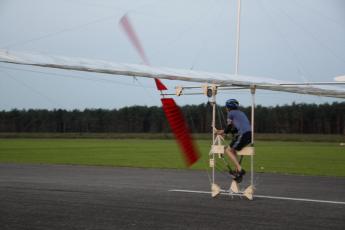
(295, 118)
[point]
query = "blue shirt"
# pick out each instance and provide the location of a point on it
(238, 119)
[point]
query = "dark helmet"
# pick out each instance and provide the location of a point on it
(232, 104)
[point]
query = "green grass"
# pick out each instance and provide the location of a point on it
(306, 158)
(200, 136)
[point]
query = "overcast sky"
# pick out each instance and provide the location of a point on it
(295, 40)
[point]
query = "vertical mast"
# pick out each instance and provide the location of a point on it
(238, 36)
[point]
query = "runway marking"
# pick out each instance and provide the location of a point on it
(263, 196)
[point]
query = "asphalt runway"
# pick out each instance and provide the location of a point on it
(88, 197)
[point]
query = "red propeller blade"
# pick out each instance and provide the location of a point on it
(180, 130)
(172, 111)
(128, 28)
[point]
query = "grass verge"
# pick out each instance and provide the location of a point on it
(304, 158)
(169, 136)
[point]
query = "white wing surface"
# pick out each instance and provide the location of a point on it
(99, 66)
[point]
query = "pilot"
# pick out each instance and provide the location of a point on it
(237, 124)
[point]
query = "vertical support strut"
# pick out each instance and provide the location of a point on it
(252, 91)
(213, 132)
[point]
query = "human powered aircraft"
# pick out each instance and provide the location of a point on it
(209, 84)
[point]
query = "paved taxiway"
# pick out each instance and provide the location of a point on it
(88, 197)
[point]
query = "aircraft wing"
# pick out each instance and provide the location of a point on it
(133, 70)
